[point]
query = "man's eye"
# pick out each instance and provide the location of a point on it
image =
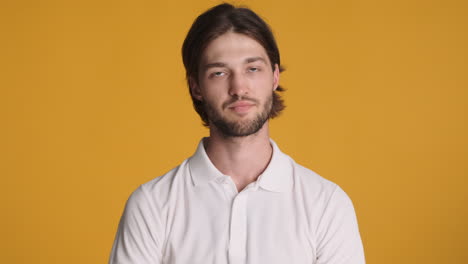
(217, 74)
(253, 69)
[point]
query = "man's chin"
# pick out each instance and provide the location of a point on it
(240, 128)
(236, 124)
(235, 116)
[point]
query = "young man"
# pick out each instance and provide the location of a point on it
(238, 199)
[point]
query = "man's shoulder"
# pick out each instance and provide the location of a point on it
(303, 177)
(311, 182)
(320, 193)
(311, 176)
(161, 185)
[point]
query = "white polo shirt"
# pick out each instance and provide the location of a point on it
(195, 215)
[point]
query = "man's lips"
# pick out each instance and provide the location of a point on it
(241, 106)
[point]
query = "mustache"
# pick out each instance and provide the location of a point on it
(239, 98)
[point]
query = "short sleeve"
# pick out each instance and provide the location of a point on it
(338, 238)
(139, 234)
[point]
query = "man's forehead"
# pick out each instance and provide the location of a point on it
(234, 47)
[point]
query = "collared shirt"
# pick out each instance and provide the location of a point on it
(195, 215)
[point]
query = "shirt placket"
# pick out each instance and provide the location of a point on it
(238, 229)
(237, 250)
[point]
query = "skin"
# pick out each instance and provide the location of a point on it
(235, 66)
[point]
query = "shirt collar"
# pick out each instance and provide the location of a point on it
(277, 177)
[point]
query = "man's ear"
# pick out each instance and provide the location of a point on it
(276, 76)
(195, 89)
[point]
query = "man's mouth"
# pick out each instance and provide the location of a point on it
(241, 106)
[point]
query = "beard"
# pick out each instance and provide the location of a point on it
(241, 128)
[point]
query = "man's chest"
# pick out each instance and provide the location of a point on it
(223, 226)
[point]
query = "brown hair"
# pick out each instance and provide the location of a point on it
(212, 24)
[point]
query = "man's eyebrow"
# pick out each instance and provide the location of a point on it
(221, 64)
(213, 65)
(254, 59)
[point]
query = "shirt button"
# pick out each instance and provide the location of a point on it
(220, 180)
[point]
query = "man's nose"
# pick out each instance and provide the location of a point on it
(239, 85)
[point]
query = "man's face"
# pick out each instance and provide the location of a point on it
(236, 84)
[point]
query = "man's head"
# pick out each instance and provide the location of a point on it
(238, 48)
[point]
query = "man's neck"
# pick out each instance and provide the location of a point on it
(242, 158)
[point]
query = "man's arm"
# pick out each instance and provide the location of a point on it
(338, 238)
(138, 238)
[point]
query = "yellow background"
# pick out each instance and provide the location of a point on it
(93, 103)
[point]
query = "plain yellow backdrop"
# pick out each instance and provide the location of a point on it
(94, 103)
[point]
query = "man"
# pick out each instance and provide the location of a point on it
(238, 199)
